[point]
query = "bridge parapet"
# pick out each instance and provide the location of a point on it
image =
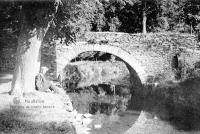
(138, 39)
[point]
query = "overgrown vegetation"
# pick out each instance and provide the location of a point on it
(88, 99)
(14, 126)
(80, 16)
(81, 101)
(177, 103)
(71, 76)
(129, 16)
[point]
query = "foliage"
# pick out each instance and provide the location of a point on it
(81, 101)
(8, 24)
(89, 99)
(72, 77)
(76, 17)
(175, 102)
(49, 17)
(191, 12)
(16, 126)
(126, 15)
(86, 16)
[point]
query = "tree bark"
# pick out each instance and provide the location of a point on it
(28, 52)
(27, 58)
(27, 63)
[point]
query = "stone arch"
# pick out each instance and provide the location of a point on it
(66, 53)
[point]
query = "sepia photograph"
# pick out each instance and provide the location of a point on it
(99, 66)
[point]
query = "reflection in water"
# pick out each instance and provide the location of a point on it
(113, 124)
(175, 104)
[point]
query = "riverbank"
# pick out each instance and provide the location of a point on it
(126, 123)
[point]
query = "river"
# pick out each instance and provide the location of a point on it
(114, 124)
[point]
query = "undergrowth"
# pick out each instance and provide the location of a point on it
(15, 126)
(177, 103)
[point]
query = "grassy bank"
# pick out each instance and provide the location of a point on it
(14, 126)
(177, 103)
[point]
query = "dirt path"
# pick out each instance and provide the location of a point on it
(5, 81)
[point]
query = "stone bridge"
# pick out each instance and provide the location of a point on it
(65, 54)
(145, 56)
(140, 62)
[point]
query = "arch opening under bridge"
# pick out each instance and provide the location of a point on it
(66, 53)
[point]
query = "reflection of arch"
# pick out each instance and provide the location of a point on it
(66, 53)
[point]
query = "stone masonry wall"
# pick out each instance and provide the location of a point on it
(152, 48)
(153, 51)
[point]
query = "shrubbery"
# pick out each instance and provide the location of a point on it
(177, 103)
(88, 100)
(71, 77)
(14, 126)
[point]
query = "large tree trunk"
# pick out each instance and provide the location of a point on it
(28, 57)
(27, 63)
(28, 51)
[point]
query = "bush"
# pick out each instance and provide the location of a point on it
(14, 126)
(81, 101)
(89, 100)
(177, 103)
(71, 77)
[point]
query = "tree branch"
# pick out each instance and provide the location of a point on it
(56, 4)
